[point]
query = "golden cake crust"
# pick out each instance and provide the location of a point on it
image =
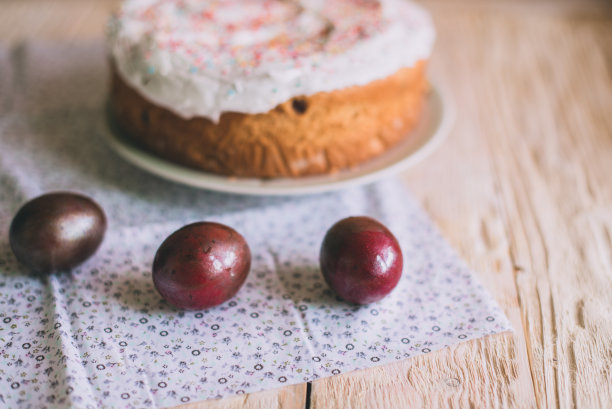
(317, 134)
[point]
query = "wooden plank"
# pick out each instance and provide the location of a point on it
(530, 160)
(554, 169)
(479, 373)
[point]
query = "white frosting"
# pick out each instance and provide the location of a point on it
(203, 58)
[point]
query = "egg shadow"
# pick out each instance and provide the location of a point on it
(137, 293)
(304, 285)
(9, 265)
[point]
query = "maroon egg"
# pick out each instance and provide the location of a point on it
(57, 231)
(201, 265)
(361, 260)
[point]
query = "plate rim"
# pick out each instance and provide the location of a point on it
(437, 99)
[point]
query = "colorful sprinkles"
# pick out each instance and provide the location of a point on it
(238, 36)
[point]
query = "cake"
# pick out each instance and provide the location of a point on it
(268, 88)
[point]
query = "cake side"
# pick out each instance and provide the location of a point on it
(305, 135)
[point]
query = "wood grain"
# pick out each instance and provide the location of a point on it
(522, 189)
(556, 186)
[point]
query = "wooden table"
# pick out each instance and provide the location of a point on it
(522, 188)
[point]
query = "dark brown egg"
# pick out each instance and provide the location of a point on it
(57, 231)
(201, 265)
(361, 260)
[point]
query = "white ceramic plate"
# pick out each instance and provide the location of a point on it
(431, 130)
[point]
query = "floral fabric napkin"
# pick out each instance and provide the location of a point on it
(100, 336)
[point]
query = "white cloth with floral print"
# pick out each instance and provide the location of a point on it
(101, 336)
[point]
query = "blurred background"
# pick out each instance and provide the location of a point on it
(83, 19)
